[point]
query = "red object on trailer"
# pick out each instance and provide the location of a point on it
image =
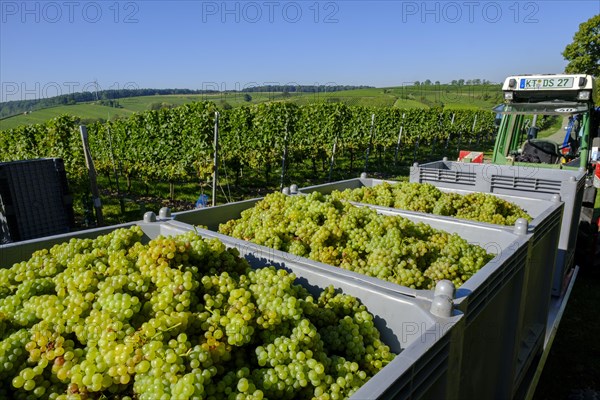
(597, 175)
(470, 156)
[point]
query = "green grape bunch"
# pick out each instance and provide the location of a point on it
(175, 318)
(426, 198)
(359, 239)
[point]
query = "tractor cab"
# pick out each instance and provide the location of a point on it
(549, 120)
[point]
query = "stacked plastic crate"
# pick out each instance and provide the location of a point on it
(471, 354)
(534, 296)
(34, 199)
(529, 182)
(491, 299)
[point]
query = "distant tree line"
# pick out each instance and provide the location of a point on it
(15, 107)
(303, 88)
(456, 82)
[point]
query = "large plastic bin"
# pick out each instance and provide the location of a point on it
(532, 182)
(538, 282)
(34, 199)
(490, 299)
(429, 346)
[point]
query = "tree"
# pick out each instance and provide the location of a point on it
(427, 82)
(417, 83)
(160, 106)
(454, 82)
(437, 83)
(247, 97)
(461, 82)
(583, 54)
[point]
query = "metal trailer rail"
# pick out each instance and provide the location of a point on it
(557, 309)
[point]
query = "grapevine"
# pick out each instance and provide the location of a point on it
(175, 144)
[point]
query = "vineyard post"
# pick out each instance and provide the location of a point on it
(399, 140)
(333, 157)
(480, 135)
(460, 132)
(370, 142)
(285, 150)
(435, 137)
(215, 160)
(89, 163)
(112, 158)
(473, 128)
(416, 147)
(449, 134)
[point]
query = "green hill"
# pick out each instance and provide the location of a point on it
(448, 96)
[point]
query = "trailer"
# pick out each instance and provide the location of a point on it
(566, 164)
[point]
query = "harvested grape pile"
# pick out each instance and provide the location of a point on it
(424, 197)
(178, 318)
(391, 248)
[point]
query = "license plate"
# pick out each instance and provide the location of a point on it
(546, 83)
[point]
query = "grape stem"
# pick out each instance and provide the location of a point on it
(187, 353)
(165, 330)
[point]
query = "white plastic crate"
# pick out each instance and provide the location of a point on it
(521, 181)
(538, 281)
(429, 346)
(491, 299)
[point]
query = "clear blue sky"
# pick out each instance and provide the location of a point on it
(54, 47)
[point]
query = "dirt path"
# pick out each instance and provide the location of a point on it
(559, 135)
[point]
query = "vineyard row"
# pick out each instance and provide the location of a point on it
(177, 144)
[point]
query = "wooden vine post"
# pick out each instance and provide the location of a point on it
(215, 160)
(284, 155)
(449, 134)
(89, 163)
(114, 165)
(399, 140)
(370, 142)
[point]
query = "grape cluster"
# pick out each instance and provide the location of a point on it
(391, 248)
(177, 318)
(424, 197)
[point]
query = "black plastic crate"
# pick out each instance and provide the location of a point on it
(34, 199)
